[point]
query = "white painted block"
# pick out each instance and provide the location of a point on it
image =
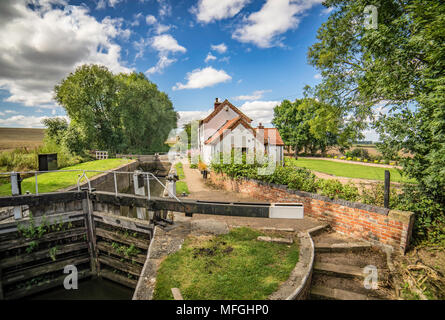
(286, 210)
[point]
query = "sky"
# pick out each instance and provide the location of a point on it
(251, 52)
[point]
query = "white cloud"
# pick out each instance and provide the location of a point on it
(264, 27)
(317, 76)
(221, 48)
(163, 62)
(150, 19)
(166, 43)
(256, 95)
(209, 57)
(201, 78)
(187, 116)
(136, 18)
(11, 111)
(260, 111)
(161, 28)
(210, 10)
(41, 46)
(165, 9)
(102, 4)
(23, 121)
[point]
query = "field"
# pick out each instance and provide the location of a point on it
(49, 182)
(231, 266)
(12, 138)
(349, 170)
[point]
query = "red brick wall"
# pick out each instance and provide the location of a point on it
(375, 224)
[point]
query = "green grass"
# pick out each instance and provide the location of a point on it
(226, 267)
(350, 170)
(181, 186)
(53, 181)
(180, 171)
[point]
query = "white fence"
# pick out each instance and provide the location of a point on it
(101, 155)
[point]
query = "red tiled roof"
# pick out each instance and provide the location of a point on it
(220, 107)
(230, 124)
(275, 139)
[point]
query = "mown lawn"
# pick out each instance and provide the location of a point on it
(349, 170)
(49, 182)
(181, 186)
(226, 267)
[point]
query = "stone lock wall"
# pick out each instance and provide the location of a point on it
(377, 225)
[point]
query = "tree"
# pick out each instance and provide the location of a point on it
(147, 114)
(400, 64)
(55, 128)
(308, 124)
(118, 113)
(89, 96)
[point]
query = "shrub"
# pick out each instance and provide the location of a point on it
(429, 225)
(349, 158)
(335, 157)
(365, 160)
(376, 161)
(334, 189)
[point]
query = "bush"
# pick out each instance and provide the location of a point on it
(358, 153)
(334, 189)
(429, 225)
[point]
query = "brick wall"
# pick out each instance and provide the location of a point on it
(378, 225)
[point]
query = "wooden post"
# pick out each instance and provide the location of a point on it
(387, 188)
(15, 191)
(91, 234)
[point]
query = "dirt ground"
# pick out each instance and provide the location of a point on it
(420, 274)
(12, 138)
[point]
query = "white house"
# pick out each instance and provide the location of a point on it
(227, 128)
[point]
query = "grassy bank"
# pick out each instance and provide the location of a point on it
(349, 170)
(231, 266)
(49, 182)
(181, 186)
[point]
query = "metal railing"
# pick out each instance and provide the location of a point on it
(148, 176)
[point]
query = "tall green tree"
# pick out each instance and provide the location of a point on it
(118, 113)
(400, 64)
(309, 124)
(147, 114)
(89, 96)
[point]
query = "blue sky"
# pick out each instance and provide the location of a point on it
(250, 52)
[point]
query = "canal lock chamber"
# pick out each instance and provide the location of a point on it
(101, 238)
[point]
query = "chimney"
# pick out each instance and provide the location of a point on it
(260, 126)
(217, 103)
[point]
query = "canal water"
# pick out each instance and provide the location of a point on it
(88, 289)
(98, 288)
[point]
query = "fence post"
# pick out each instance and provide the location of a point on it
(15, 191)
(139, 190)
(387, 188)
